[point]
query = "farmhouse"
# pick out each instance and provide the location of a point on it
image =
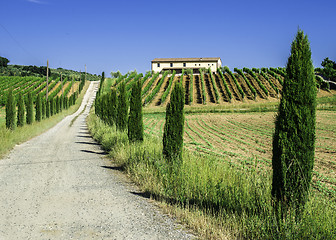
(177, 64)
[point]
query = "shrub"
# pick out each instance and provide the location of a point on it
(38, 108)
(294, 137)
(47, 109)
(29, 109)
(174, 125)
(122, 108)
(21, 111)
(43, 108)
(113, 107)
(135, 123)
(10, 111)
(52, 106)
(57, 104)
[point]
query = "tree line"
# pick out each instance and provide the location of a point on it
(20, 111)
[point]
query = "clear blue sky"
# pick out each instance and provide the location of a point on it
(124, 35)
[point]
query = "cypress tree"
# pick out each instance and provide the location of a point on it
(66, 102)
(51, 103)
(174, 125)
(135, 123)
(57, 103)
(113, 107)
(105, 107)
(122, 108)
(294, 137)
(38, 109)
(10, 111)
(101, 84)
(97, 105)
(21, 111)
(43, 108)
(30, 109)
(47, 109)
(60, 103)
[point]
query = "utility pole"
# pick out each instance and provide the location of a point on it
(47, 78)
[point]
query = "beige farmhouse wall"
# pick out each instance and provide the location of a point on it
(158, 65)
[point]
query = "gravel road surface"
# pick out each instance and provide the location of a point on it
(59, 186)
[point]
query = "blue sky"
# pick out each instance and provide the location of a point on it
(109, 35)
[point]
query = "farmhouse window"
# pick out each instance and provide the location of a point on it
(158, 65)
(171, 64)
(184, 64)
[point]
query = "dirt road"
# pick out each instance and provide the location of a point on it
(59, 186)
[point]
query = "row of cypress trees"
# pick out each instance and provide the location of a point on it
(293, 140)
(116, 108)
(43, 108)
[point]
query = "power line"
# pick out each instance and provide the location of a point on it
(18, 43)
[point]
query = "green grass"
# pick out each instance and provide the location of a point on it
(217, 198)
(21, 134)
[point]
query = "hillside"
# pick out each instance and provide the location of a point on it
(221, 88)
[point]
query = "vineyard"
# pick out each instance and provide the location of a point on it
(36, 85)
(208, 88)
(29, 98)
(245, 140)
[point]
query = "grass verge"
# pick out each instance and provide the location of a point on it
(212, 196)
(21, 134)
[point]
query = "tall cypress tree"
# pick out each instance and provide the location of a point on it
(60, 103)
(113, 107)
(21, 111)
(51, 106)
(135, 123)
(57, 104)
(38, 108)
(43, 108)
(174, 125)
(47, 109)
(294, 137)
(10, 111)
(30, 109)
(122, 108)
(101, 84)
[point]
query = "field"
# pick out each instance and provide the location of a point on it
(222, 88)
(36, 85)
(245, 140)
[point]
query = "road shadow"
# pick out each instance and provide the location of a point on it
(88, 151)
(119, 168)
(146, 195)
(83, 136)
(89, 143)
